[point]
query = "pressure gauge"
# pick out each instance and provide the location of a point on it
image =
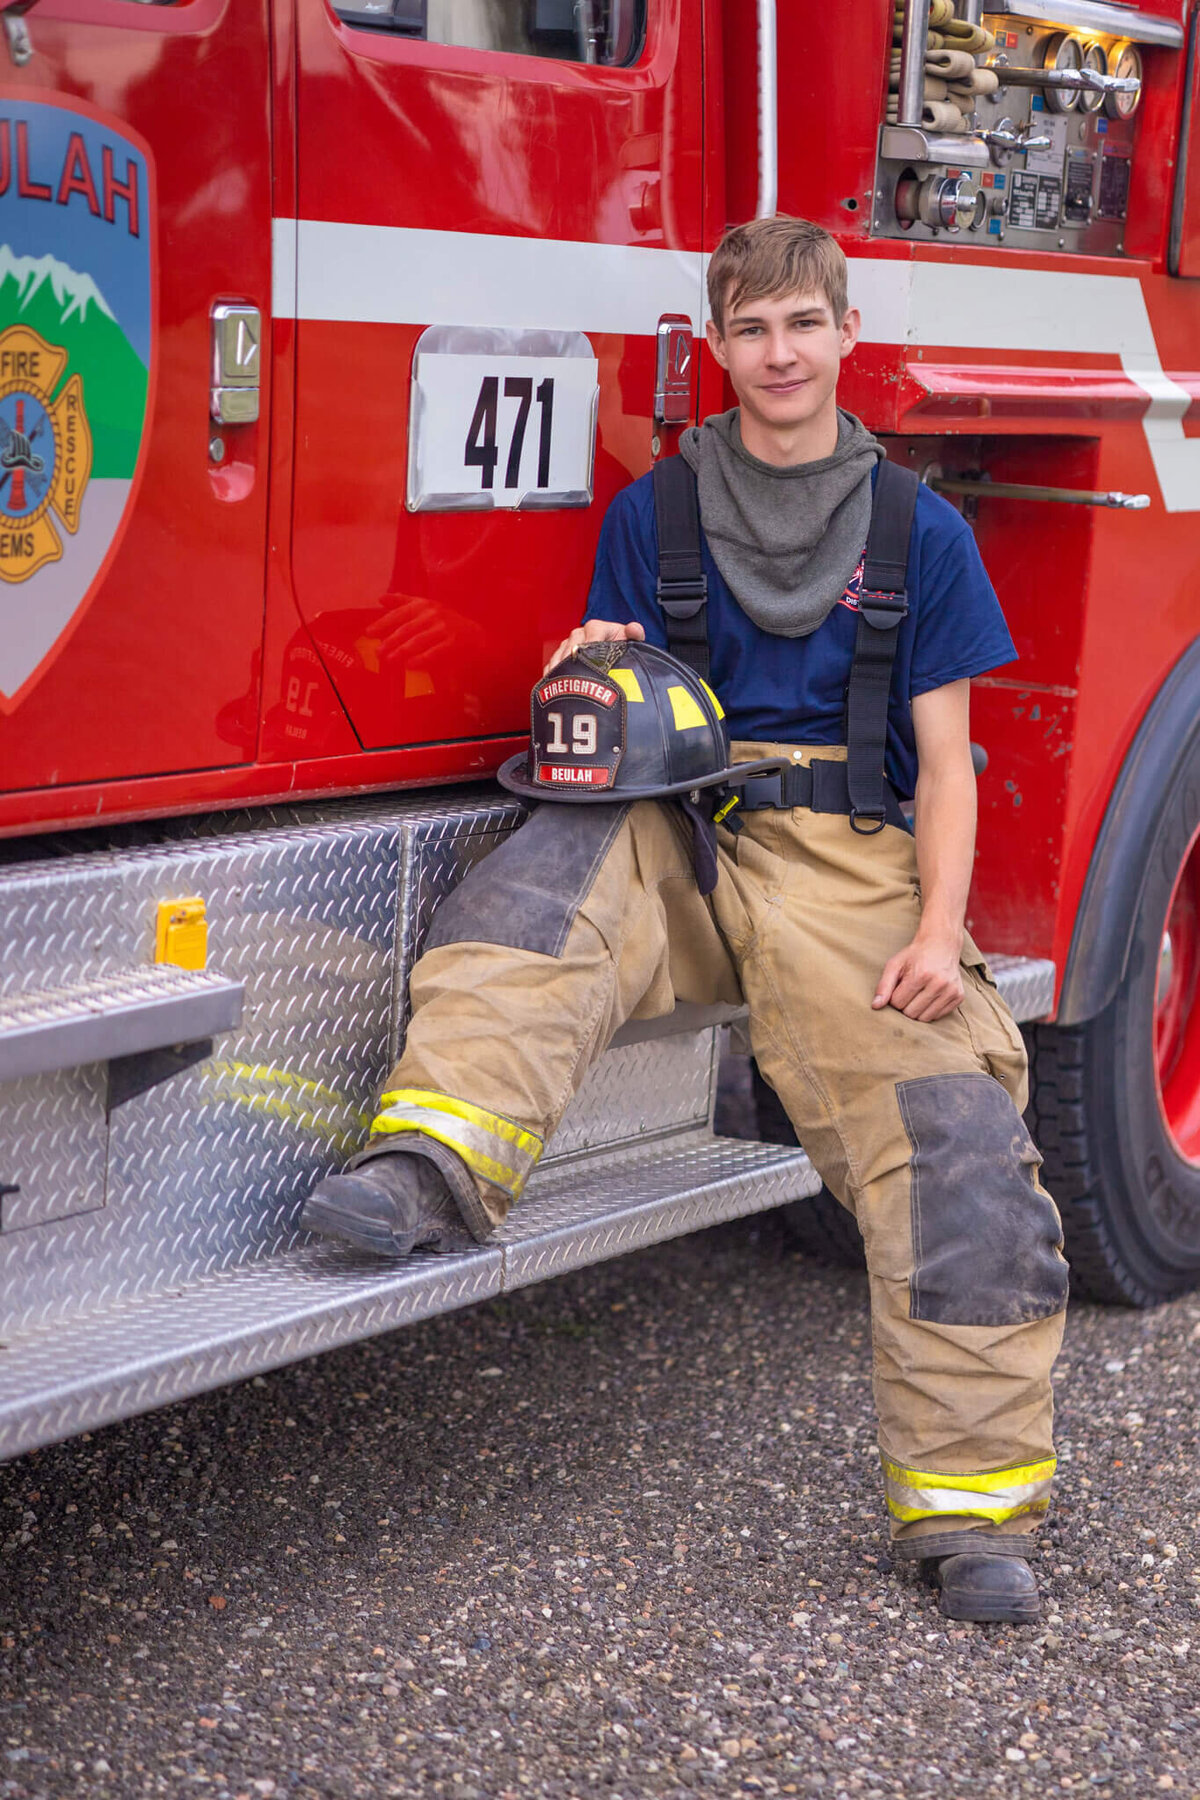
(1061, 51)
(1095, 58)
(1125, 62)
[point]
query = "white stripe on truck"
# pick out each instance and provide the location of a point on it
(397, 275)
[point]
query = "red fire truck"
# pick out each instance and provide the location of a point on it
(328, 329)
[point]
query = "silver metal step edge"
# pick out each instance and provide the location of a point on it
(45, 1029)
(1027, 984)
(156, 1348)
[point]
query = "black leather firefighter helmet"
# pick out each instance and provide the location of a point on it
(624, 722)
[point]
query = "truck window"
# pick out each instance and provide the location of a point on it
(588, 31)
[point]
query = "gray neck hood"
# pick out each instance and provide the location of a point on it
(787, 540)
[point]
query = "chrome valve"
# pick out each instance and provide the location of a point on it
(1006, 140)
(944, 202)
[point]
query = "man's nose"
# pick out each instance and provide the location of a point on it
(780, 349)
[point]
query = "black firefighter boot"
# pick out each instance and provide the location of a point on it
(396, 1198)
(986, 1586)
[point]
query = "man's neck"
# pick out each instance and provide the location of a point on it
(786, 446)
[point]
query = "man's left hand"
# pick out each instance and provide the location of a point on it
(924, 981)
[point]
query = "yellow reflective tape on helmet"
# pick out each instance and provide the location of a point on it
(712, 697)
(494, 1148)
(686, 713)
(628, 683)
(999, 1495)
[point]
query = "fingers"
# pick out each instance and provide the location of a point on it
(934, 999)
(596, 631)
(607, 631)
(567, 648)
(893, 970)
(919, 994)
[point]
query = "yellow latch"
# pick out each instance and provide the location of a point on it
(181, 933)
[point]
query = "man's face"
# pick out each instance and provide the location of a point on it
(784, 355)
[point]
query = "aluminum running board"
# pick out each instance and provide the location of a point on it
(1027, 984)
(144, 1352)
(111, 1016)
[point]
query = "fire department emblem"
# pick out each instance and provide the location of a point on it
(75, 366)
(45, 454)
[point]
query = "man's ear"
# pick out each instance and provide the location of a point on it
(716, 343)
(851, 327)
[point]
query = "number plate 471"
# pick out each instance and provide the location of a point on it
(501, 430)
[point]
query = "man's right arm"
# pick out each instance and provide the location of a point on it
(623, 582)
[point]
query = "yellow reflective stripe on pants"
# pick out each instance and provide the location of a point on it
(491, 1146)
(1002, 1494)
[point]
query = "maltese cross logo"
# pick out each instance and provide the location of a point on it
(45, 453)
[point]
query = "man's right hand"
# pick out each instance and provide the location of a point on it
(596, 631)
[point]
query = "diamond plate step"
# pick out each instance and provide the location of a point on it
(124, 1014)
(1027, 983)
(124, 1359)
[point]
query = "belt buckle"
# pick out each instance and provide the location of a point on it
(755, 788)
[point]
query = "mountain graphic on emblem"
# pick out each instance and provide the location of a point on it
(77, 351)
(58, 425)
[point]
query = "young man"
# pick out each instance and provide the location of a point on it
(871, 1012)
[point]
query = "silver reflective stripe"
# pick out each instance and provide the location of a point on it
(493, 1148)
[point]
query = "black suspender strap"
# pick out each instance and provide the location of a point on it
(682, 590)
(882, 605)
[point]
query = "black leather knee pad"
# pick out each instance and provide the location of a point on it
(525, 895)
(986, 1239)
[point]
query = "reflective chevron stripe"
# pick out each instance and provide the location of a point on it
(492, 1147)
(1002, 1494)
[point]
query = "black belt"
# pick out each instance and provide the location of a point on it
(822, 786)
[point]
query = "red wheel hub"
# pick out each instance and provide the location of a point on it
(1176, 1012)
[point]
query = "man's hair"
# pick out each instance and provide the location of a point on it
(767, 258)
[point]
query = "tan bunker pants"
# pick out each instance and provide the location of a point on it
(590, 916)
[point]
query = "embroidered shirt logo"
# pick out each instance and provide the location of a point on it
(854, 586)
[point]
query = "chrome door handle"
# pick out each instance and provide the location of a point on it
(236, 356)
(673, 370)
(16, 32)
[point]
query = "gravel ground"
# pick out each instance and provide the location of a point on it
(620, 1534)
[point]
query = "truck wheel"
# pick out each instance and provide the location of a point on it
(1115, 1102)
(820, 1226)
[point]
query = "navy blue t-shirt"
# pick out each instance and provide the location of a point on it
(784, 690)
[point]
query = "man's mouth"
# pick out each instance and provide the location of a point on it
(785, 387)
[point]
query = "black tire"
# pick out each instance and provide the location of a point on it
(1129, 1199)
(1130, 1203)
(821, 1227)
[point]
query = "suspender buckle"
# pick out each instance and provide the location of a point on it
(682, 599)
(883, 611)
(873, 822)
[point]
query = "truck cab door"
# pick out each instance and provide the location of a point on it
(498, 203)
(135, 205)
